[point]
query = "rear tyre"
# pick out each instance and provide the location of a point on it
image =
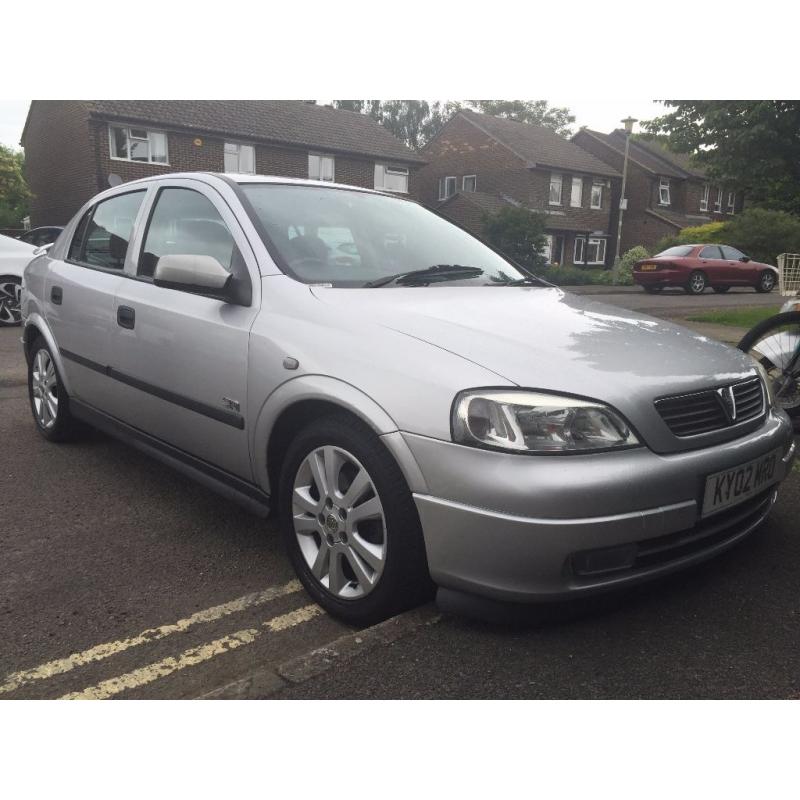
(49, 401)
(349, 523)
(697, 283)
(10, 291)
(721, 289)
(653, 289)
(766, 282)
(775, 344)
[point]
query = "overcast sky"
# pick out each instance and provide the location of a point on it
(603, 115)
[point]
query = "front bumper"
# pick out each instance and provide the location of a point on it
(513, 527)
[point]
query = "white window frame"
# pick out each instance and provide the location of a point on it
(731, 202)
(600, 185)
(663, 190)
(320, 158)
(705, 196)
(127, 129)
(382, 170)
(474, 184)
(585, 244)
(556, 179)
(239, 146)
(577, 183)
(443, 183)
(718, 201)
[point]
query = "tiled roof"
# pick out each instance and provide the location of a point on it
(539, 145)
(293, 122)
(677, 219)
(652, 155)
(490, 203)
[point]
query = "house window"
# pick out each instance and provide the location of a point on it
(591, 251)
(392, 179)
(576, 197)
(731, 202)
(469, 183)
(597, 194)
(555, 189)
(320, 168)
(447, 187)
(240, 158)
(704, 198)
(137, 144)
(718, 201)
(553, 249)
(663, 191)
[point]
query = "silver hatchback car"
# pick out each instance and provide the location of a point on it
(418, 410)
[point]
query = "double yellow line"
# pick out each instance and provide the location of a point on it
(159, 669)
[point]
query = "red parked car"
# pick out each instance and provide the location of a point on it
(694, 267)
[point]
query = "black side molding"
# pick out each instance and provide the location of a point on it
(219, 414)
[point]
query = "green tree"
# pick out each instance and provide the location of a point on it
(538, 112)
(752, 145)
(518, 233)
(14, 192)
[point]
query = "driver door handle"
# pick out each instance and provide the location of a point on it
(126, 317)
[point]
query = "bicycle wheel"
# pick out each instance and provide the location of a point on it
(775, 344)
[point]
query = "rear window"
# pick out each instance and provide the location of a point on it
(680, 251)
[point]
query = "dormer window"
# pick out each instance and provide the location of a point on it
(663, 191)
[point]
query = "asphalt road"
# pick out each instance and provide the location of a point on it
(121, 578)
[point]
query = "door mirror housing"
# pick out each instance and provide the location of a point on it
(744, 259)
(192, 273)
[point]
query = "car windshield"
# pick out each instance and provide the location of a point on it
(680, 251)
(351, 238)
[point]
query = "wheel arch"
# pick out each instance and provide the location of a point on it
(307, 397)
(35, 325)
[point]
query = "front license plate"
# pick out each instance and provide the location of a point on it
(731, 486)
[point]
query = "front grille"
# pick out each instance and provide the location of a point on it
(704, 412)
(648, 553)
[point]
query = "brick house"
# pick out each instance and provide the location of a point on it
(73, 147)
(666, 191)
(478, 163)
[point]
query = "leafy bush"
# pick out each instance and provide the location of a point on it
(624, 273)
(575, 276)
(518, 233)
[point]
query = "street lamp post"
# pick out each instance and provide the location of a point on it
(628, 123)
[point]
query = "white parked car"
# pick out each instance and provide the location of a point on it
(14, 257)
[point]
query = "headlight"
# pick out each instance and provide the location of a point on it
(765, 379)
(534, 422)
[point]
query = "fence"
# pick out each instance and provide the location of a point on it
(789, 274)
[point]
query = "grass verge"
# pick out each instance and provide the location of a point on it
(738, 317)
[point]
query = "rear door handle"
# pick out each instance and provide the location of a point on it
(126, 317)
(56, 295)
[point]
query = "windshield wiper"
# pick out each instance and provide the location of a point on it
(438, 272)
(528, 280)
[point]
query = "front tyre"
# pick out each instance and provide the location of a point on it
(349, 522)
(697, 283)
(10, 292)
(49, 400)
(766, 282)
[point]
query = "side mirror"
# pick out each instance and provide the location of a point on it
(43, 249)
(744, 259)
(192, 273)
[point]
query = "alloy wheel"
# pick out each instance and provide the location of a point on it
(10, 291)
(339, 522)
(697, 283)
(767, 282)
(44, 386)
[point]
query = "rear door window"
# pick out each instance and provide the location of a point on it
(102, 237)
(712, 251)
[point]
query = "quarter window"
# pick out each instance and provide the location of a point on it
(185, 222)
(576, 196)
(320, 168)
(597, 194)
(447, 187)
(469, 183)
(391, 179)
(240, 158)
(555, 189)
(663, 191)
(102, 237)
(138, 144)
(704, 197)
